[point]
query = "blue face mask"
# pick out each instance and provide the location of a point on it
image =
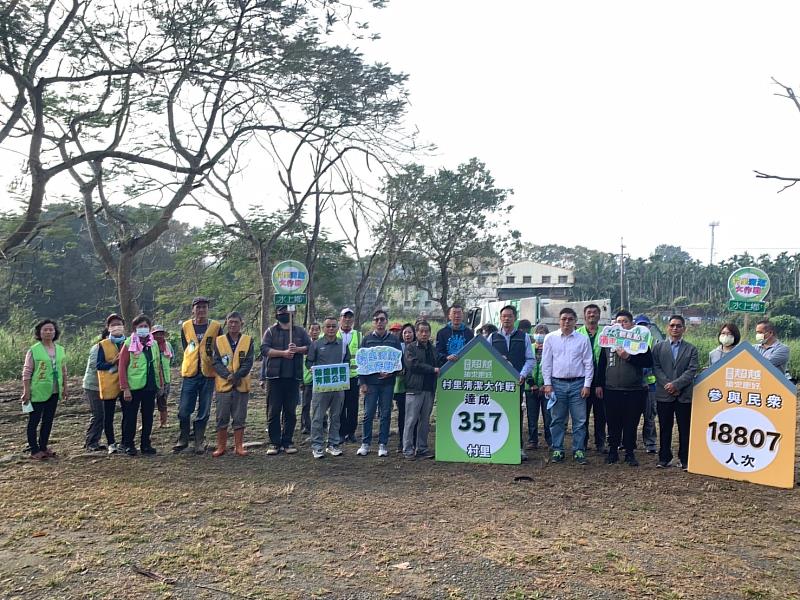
(538, 338)
(117, 338)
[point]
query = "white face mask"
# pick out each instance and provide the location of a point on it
(760, 337)
(142, 331)
(726, 339)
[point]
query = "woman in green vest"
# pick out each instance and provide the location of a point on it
(139, 379)
(44, 383)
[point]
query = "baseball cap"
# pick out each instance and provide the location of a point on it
(157, 328)
(281, 308)
(345, 311)
(641, 320)
(395, 326)
(200, 300)
(113, 316)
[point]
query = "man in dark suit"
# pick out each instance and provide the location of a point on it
(675, 366)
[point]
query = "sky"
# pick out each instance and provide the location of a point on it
(634, 120)
(640, 120)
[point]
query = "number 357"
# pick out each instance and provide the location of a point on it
(477, 422)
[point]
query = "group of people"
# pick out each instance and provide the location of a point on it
(564, 375)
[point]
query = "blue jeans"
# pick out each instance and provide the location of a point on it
(568, 402)
(197, 391)
(377, 394)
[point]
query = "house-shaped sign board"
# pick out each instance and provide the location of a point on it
(744, 418)
(478, 407)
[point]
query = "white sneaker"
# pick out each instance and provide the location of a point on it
(317, 453)
(112, 448)
(382, 450)
(364, 450)
(334, 450)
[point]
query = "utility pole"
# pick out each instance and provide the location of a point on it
(713, 225)
(621, 274)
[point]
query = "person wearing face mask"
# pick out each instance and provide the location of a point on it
(44, 383)
(167, 356)
(282, 365)
(729, 338)
(769, 346)
(140, 380)
(535, 401)
(107, 367)
(407, 335)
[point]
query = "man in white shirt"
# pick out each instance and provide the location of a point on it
(567, 371)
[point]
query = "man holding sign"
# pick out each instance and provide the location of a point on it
(378, 387)
(328, 350)
(282, 350)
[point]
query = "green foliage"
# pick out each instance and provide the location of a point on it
(786, 326)
(786, 305)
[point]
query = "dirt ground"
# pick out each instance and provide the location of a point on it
(186, 526)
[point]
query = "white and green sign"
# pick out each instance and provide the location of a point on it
(635, 340)
(748, 284)
(288, 299)
(289, 277)
(330, 378)
(378, 359)
(477, 407)
(745, 306)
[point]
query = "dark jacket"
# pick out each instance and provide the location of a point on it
(420, 368)
(680, 372)
(451, 341)
(277, 338)
(616, 373)
(370, 341)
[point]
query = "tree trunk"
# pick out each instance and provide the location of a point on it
(126, 291)
(266, 288)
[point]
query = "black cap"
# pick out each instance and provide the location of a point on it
(281, 308)
(113, 316)
(200, 300)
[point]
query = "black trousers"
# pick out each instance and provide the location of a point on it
(44, 413)
(668, 413)
(623, 409)
(305, 413)
(109, 408)
(143, 400)
(282, 400)
(349, 420)
(400, 400)
(597, 406)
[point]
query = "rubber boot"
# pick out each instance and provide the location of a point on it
(238, 440)
(199, 438)
(222, 442)
(183, 437)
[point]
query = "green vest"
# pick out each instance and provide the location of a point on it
(45, 374)
(596, 349)
(165, 364)
(353, 346)
(137, 367)
(649, 376)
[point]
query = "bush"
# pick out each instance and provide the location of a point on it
(786, 326)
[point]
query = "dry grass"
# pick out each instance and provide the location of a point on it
(350, 527)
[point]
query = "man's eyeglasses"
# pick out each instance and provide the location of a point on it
(379, 319)
(676, 325)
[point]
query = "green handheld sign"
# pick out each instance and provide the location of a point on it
(290, 277)
(478, 405)
(748, 284)
(290, 299)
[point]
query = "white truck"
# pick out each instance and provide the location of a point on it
(535, 309)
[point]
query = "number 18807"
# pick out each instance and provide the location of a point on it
(725, 433)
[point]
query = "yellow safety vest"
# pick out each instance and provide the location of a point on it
(193, 348)
(234, 358)
(109, 382)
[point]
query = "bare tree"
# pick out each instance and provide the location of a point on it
(787, 92)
